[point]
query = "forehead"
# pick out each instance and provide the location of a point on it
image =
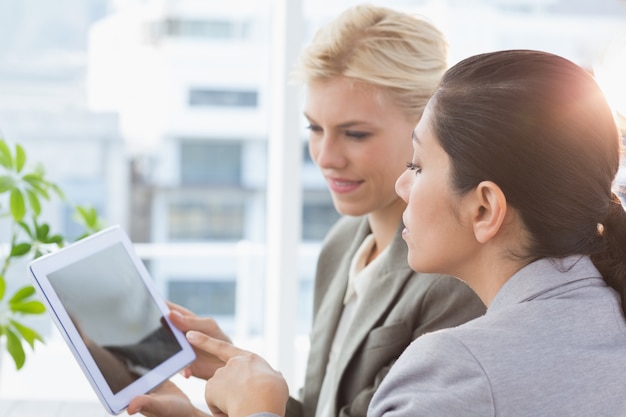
(423, 132)
(343, 84)
(336, 92)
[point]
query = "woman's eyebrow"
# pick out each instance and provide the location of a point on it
(345, 125)
(352, 123)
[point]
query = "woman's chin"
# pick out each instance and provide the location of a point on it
(350, 209)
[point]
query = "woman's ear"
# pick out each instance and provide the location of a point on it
(489, 210)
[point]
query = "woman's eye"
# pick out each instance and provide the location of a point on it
(356, 134)
(413, 167)
(314, 128)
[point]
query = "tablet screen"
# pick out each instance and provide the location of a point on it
(115, 315)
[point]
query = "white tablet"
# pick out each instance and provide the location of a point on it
(101, 297)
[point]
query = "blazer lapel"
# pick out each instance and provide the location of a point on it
(327, 319)
(377, 301)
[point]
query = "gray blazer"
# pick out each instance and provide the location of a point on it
(398, 307)
(552, 343)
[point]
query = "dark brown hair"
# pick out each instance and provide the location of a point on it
(539, 126)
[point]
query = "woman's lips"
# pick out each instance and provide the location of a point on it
(342, 185)
(405, 230)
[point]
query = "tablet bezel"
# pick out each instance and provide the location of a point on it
(40, 268)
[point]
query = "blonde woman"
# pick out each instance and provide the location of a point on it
(368, 75)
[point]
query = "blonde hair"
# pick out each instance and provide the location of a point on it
(399, 53)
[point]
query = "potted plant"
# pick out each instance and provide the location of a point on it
(23, 193)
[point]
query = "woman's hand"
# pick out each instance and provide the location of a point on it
(245, 385)
(167, 400)
(205, 364)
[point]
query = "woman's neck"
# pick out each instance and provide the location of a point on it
(384, 224)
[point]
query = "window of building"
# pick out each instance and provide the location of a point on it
(215, 29)
(305, 306)
(318, 214)
(207, 214)
(210, 162)
(205, 298)
(202, 97)
(306, 155)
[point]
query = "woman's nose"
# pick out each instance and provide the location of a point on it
(326, 152)
(402, 185)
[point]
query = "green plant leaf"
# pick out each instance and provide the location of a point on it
(20, 158)
(56, 239)
(88, 217)
(6, 159)
(15, 348)
(42, 231)
(22, 294)
(36, 176)
(81, 213)
(33, 201)
(20, 249)
(29, 307)
(37, 184)
(26, 229)
(92, 218)
(6, 183)
(58, 191)
(26, 189)
(28, 334)
(3, 288)
(18, 208)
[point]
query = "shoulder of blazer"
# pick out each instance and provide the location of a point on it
(343, 240)
(343, 231)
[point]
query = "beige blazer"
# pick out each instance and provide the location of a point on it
(398, 307)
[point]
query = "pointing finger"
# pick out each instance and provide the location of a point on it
(222, 350)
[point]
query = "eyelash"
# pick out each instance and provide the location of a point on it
(350, 133)
(412, 167)
(314, 128)
(356, 135)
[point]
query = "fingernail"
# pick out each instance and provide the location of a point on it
(192, 336)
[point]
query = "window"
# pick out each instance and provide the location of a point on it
(222, 98)
(210, 162)
(200, 29)
(206, 215)
(318, 214)
(205, 298)
(306, 155)
(212, 204)
(305, 306)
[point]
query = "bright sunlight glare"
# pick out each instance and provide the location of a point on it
(610, 72)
